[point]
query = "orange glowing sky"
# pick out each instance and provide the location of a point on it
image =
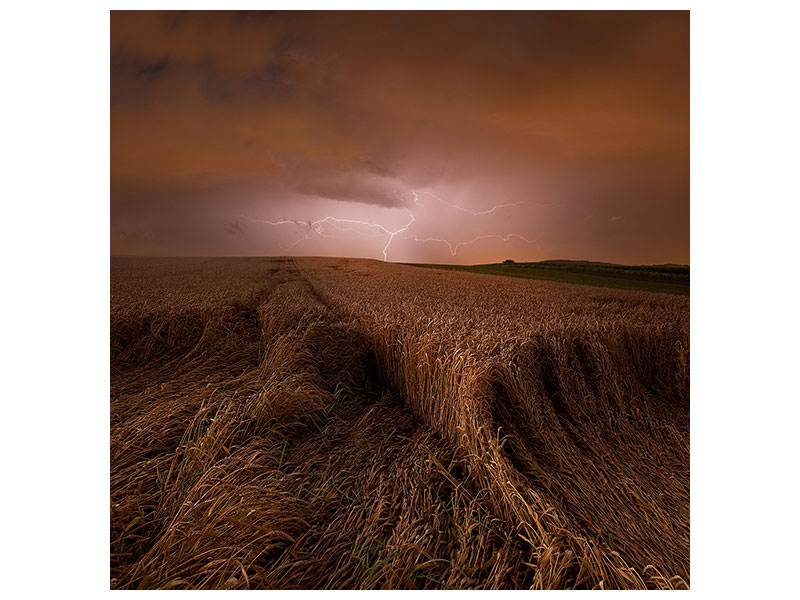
(356, 133)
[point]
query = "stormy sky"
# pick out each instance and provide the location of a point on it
(461, 137)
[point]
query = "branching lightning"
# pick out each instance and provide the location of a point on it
(507, 237)
(317, 227)
(461, 208)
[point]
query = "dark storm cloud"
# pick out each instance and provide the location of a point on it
(153, 70)
(216, 113)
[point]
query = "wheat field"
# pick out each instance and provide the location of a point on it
(350, 424)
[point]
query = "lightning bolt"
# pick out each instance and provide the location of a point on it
(461, 208)
(317, 227)
(336, 222)
(453, 248)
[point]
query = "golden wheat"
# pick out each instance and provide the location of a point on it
(334, 423)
